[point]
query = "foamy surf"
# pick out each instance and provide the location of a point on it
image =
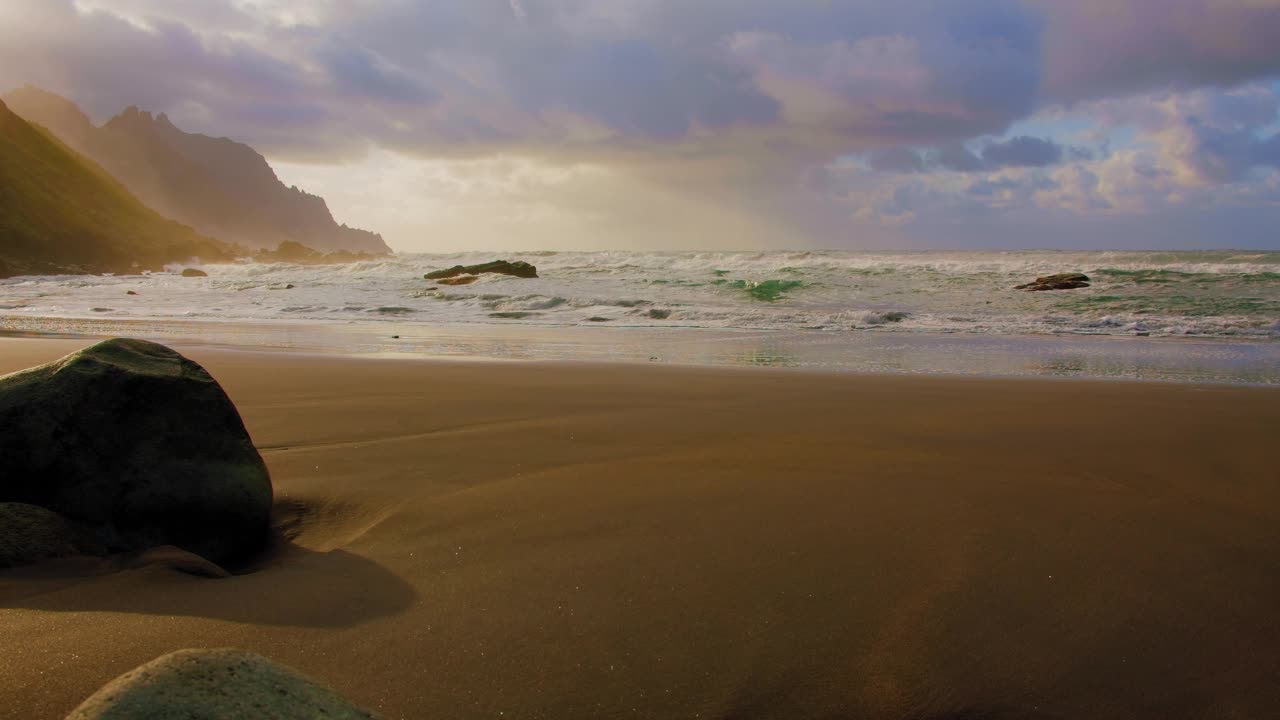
(1159, 294)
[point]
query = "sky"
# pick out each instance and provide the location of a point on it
(712, 124)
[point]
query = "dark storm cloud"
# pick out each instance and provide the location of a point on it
(357, 72)
(955, 156)
(742, 102)
(1016, 152)
(1022, 151)
(895, 159)
(858, 73)
(1224, 155)
(1098, 48)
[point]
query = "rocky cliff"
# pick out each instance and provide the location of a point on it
(220, 187)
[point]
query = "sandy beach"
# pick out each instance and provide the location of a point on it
(566, 540)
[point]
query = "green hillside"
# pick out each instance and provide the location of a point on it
(221, 188)
(60, 212)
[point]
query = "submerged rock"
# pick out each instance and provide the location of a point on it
(192, 272)
(518, 269)
(213, 685)
(1061, 281)
(140, 446)
(30, 534)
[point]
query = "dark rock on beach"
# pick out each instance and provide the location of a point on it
(192, 272)
(518, 269)
(212, 685)
(140, 446)
(31, 534)
(1061, 281)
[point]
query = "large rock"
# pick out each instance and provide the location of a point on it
(140, 445)
(192, 272)
(30, 534)
(518, 269)
(1061, 281)
(215, 685)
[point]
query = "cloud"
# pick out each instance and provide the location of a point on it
(1022, 151)
(796, 121)
(1018, 151)
(543, 75)
(1104, 48)
(358, 73)
(895, 159)
(1203, 137)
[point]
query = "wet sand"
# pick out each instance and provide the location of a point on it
(559, 540)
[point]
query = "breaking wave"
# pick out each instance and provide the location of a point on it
(1199, 294)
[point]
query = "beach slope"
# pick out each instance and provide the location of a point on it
(529, 540)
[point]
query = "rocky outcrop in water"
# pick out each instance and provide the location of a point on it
(518, 269)
(138, 445)
(212, 685)
(299, 254)
(1061, 281)
(193, 272)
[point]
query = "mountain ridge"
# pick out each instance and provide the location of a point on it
(220, 187)
(62, 213)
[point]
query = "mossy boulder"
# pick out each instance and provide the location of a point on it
(192, 272)
(31, 534)
(139, 445)
(215, 685)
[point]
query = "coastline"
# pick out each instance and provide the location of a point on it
(547, 539)
(1238, 361)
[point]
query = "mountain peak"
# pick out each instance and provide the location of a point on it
(220, 187)
(133, 114)
(54, 193)
(57, 113)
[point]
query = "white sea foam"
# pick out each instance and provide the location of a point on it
(1221, 293)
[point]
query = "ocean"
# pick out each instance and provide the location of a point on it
(1202, 316)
